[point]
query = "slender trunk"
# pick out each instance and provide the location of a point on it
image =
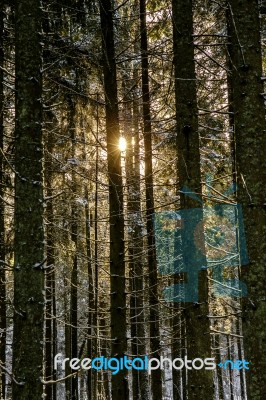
(199, 382)
(103, 382)
(90, 291)
(230, 85)
(29, 257)
(156, 378)
(140, 386)
(68, 370)
(74, 272)
(54, 330)
(74, 323)
(230, 96)
(243, 389)
(50, 337)
(217, 353)
(250, 143)
(117, 247)
(96, 280)
(2, 215)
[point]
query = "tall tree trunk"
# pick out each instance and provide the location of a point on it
(156, 378)
(250, 143)
(29, 257)
(140, 385)
(90, 291)
(96, 275)
(67, 329)
(230, 85)
(50, 332)
(74, 272)
(91, 277)
(199, 382)
(138, 250)
(54, 330)
(2, 215)
(117, 247)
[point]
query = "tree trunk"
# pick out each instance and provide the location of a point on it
(29, 257)
(250, 144)
(50, 322)
(140, 385)
(96, 275)
(90, 292)
(117, 247)
(156, 378)
(67, 332)
(199, 382)
(2, 215)
(74, 272)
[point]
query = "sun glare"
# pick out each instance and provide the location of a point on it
(122, 144)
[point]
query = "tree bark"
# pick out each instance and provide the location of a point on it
(2, 214)
(90, 291)
(156, 378)
(199, 382)
(29, 256)
(74, 272)
(140, 385)
(50, 322)
(117, 247)
(96, 271)
(250, 144)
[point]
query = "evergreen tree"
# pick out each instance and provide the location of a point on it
(156, 379)
(117, 247)
(199, 382)
(29, 256)
(2, 212)
(250, 143)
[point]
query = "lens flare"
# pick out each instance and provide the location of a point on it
(122, 144)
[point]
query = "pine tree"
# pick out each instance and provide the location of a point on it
(50, 309)
(199, 382)
(156, 379)
(250, 143)
(117, 246)
(29, 256)
(2, 212)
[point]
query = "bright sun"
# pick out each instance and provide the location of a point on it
(122, 144)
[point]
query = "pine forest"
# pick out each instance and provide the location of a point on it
(132, 200)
